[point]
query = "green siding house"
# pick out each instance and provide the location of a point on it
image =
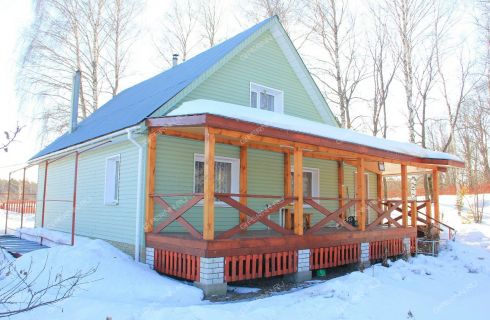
(231, 166)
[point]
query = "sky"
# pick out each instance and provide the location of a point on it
(16, 16)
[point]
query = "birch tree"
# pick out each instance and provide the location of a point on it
(179, 27)
(384, 63)
(410, 18)
(340, 69)
(210, 21)
(67, 35)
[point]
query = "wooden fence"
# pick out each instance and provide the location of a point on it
(16, 206)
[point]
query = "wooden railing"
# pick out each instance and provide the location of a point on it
(254, 216)
(29, 206)
(383, 209)
(337, 215)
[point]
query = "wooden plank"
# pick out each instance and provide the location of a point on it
(298, 191)
(435, 189)
(340, 184)
(208, 215)
(245, 127)
(287, 189)
(361, 195)
(150, 181)
(243, 180)
(404, 191)
(414, 214)
(379, 189)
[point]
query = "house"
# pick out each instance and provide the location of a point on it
(231, 166)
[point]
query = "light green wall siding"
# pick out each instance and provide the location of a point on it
(262, 62)
(93, 217)
(175, 174)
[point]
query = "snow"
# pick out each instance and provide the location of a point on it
(13, 222)
(455, 285)
(283, 121)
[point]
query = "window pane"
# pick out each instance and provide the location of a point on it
(199, 177)
(222, 177)
(266, 101)
(307, 183)
(111, 181)
(253, 99)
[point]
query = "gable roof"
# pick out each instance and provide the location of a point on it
(135, 104)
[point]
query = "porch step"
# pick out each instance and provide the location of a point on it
(17, 246)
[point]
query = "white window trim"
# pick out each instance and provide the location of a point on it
(118, 178)
(235, 175)
(278, 96)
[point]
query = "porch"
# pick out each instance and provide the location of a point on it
(293, 232)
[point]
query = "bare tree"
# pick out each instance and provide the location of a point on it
(289, 12)
(410, 20)
(91, 36)
(25, 290)
(340, 70)
(179, 28)
(385, 61)
(10, 137)
(210, 21)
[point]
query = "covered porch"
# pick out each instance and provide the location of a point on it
(274, 234)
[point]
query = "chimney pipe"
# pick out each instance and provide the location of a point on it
(175, 59)
(75, 95)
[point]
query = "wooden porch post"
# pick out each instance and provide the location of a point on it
(340, 186)
(150, 180)
(379, 188)
(404, 187)
(435, 182)
(208, 215)
(287, 189)
(361, 195)
(243, 180)
(22, 208)
(298, 191)
(414, 214)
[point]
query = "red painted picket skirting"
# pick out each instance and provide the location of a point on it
(176, 264)
(413, 245)
(256, 266)
(388, 248)
(16, 206)
(330, 257)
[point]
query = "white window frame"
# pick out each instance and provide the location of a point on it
(235, 175)
(278, 96)
(112, 202)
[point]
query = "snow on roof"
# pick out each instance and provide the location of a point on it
(287, 122)
(134, 104)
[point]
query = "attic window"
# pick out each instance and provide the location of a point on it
(265, 98)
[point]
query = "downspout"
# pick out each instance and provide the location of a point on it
(137, 239)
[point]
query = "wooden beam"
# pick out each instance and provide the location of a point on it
(414, 214)
(208, 215)
(297, 138)
(379, 186)
(404, 189)
(150, 180)
(298, 191)
(340, 184)
(287, 189)
(435, 200)
(243, 180)
(361, 195)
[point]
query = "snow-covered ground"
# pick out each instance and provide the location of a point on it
(13, 222)
(455, 285)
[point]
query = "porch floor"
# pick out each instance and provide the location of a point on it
(262, 241)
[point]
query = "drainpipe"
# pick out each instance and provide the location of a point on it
(137, 239)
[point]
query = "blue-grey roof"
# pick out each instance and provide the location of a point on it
(134, 104)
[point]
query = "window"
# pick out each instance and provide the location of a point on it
(266, 98)
(111, 191)
(226, 174)
(311, 180)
